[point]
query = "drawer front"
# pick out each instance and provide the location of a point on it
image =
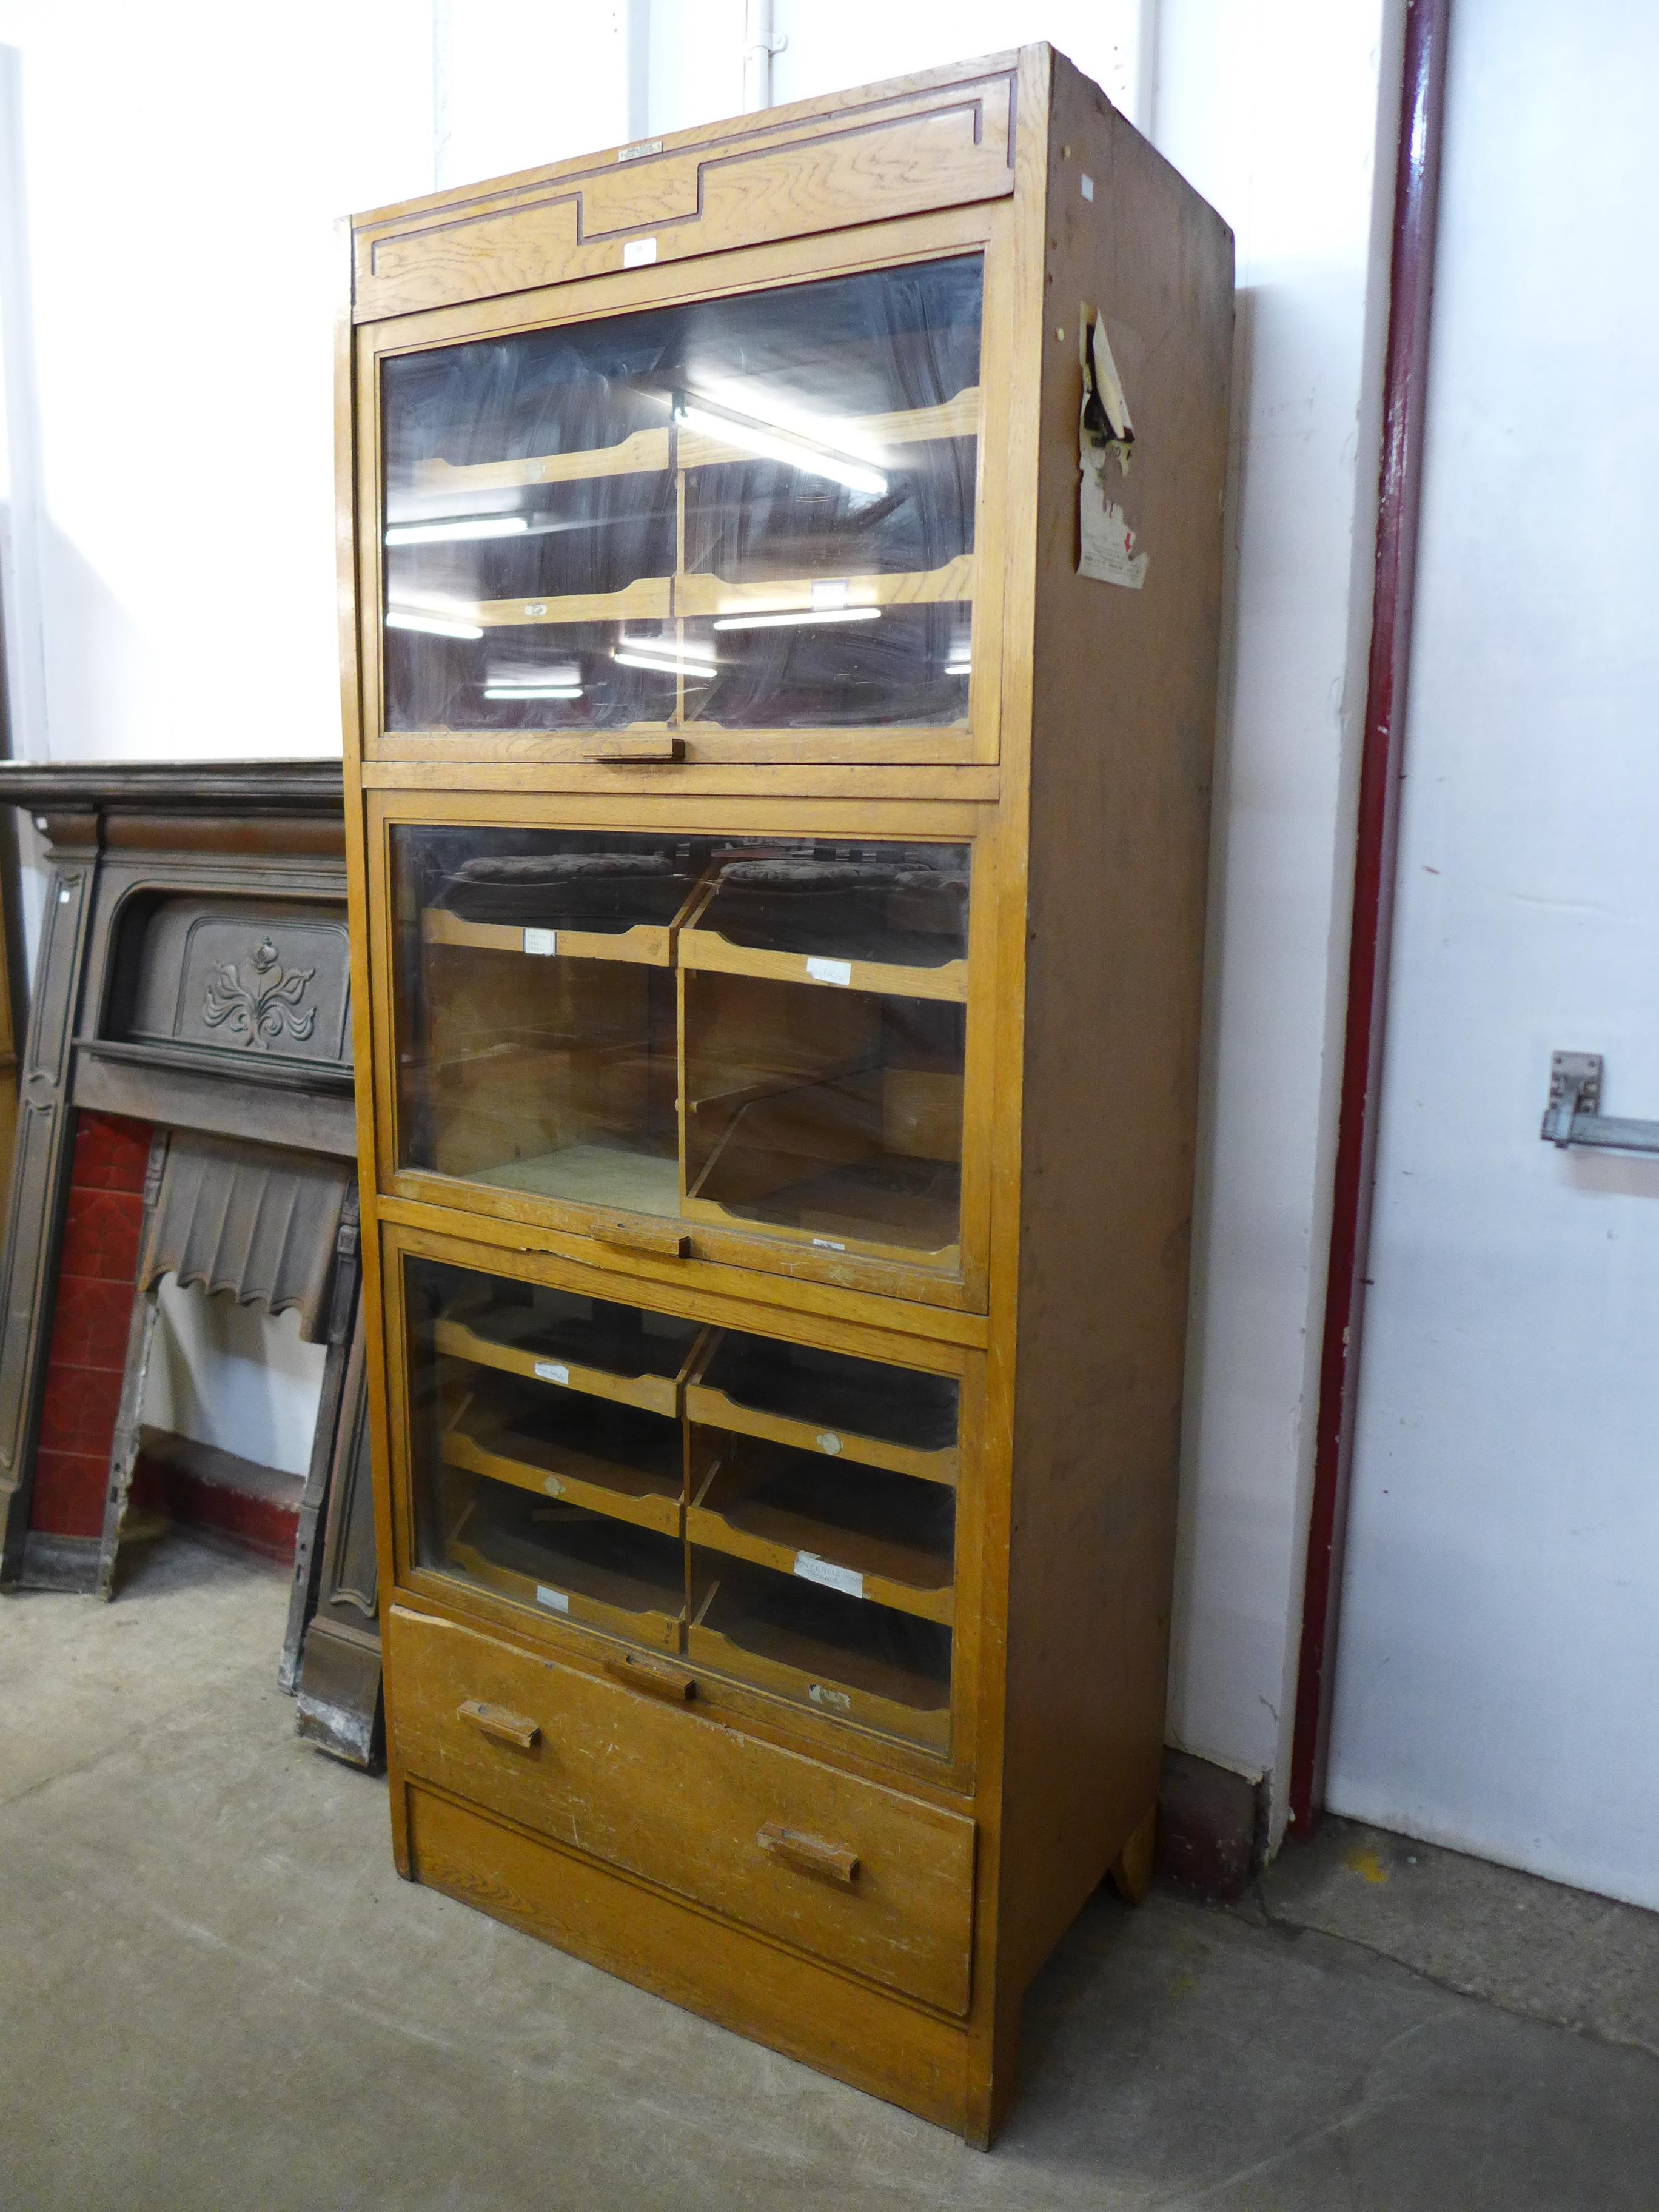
(947, 145)
(841, 1867)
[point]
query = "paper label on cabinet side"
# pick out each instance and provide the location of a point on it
(812, 1569)
(548, 1370)
(543, 941)
(1108, 543)
(556, 1600)
(828, 971)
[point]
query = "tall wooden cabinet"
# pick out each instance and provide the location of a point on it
(778, 882)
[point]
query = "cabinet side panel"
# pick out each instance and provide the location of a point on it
(1123, 722)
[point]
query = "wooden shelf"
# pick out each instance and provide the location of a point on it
(823, 1525)
(845, 1209)
(572, 1572)
(491, 1438)
(649, 451)
(663, 598)
(553, 1367)
(738, 1629)
(647, 944)
(706, 949)
(716, 1409)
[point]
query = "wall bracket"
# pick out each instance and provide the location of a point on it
(1574, 1114)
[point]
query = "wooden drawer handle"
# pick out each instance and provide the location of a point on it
(810, 1854)
(658, 1678)
(634, 748)
(665, 1243)
(501, 1723)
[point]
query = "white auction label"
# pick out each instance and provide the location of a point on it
(548, 1370)
(545, 941)
(829, 1441)
(827, 1244)
(828, 971)
(552, 1485)
(821, 1696)
(812, 1569)
(556, 1600)
(638, 252)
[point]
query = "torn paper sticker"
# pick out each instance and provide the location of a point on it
(1106, 545)
(1107, 542)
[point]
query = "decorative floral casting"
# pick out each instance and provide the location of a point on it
(259, 1014)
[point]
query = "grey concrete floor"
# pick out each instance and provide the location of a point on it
(215, 1994)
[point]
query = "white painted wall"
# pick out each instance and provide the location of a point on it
(184, 164)
(1498, 1661)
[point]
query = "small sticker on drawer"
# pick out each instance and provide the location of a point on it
(827, 1244)
(829, 1441)
(638, 252)
(812, 1569)
(545, 941)
(548, 1370)
(828, 971)
(552, 1485)
(837, 1699)
(554, 1601)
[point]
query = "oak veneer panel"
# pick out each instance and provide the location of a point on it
(814, 167)
(1123, 719)
(859, 2035)
(664, 1794)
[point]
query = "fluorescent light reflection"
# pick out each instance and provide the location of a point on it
(794, 615)
(432, 625)
(958, 668)
(775, 445)
(532, 691)
(700, 671)
(466, 525)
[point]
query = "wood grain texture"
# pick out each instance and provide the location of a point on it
(1081, 777)
(1123, 722)
(937, 140)
(657, 1789)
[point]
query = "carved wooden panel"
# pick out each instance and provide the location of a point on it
(949, 144)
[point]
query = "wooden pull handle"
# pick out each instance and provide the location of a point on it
(810, 1854)
(501, 1723)
(666, 1242)
(634, 748)
(658, 1678)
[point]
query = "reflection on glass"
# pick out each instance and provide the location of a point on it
(744, 513)
(597, 1462)
(552, 982)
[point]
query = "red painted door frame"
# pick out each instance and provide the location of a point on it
(1411, 289)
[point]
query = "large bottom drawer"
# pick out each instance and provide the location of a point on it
(844, 1869)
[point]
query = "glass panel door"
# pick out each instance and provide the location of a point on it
(747, 513)
(766, 1035)
(783, 1515)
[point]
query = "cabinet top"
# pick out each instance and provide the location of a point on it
(940, 137)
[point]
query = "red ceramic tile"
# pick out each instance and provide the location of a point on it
(263, 1522)
(100, 1235)
(111, 1153)
(89, 1322)
(69, 1494)
(79, 1408)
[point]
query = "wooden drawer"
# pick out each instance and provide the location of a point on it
(845, 1869)
(946, 143)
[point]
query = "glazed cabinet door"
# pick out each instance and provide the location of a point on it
(750, 1049)
(717, 1511)
(738, 528)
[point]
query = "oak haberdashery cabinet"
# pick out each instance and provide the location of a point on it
(782, 565)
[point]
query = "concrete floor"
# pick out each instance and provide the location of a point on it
(215, 1994)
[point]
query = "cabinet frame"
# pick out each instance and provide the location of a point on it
(984, 229)
(1092, 780)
